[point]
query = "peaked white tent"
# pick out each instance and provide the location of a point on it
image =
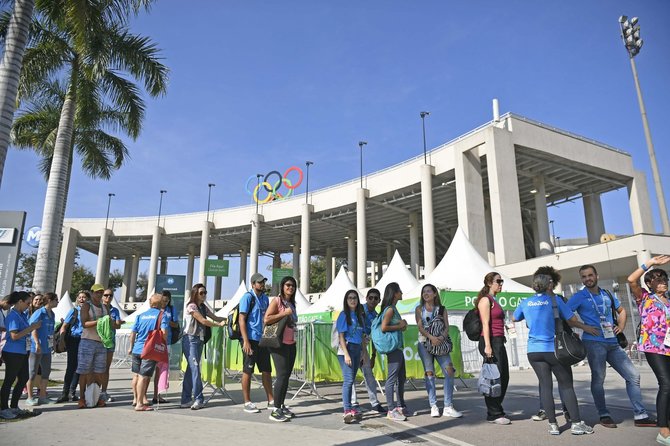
(122, 314)
(130, 319)
(302, 305)
(64, 306)
(332, 298)
(397, 272)
(223, 312)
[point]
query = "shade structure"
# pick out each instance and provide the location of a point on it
(398, 272)
(333, 297)
(223, 312)
(302, 305)
(63, 308)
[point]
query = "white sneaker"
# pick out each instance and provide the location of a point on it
(501, 421)
(434, 411)
(251, 407)
(553, 429)
(197, 405)
(450, 411)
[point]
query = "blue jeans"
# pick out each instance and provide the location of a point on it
(395, 379)
(600, 353)
(349, 373)
(428, 361)
(370, 383)
(192, 385)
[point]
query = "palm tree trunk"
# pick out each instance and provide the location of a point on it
(46, 266)
(10, 69)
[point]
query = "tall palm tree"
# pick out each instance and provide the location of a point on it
(15, 41)
(95, 64)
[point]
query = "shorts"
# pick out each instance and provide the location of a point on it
(92, 357)
(259, 358)
(143, 367)
(39, 363)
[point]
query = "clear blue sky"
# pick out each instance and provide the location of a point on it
(263, 85)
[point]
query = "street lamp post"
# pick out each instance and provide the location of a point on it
(160, 206)
(361, 144)
(423, 115)
(258, 188)
(109, 203)
(307, 163)
(209, 197)
(630, 33)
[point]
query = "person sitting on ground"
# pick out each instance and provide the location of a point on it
(41, 346)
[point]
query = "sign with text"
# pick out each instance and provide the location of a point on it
(11, 228)
(216, 267)
(279, 273)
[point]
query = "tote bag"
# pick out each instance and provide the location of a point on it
(155, 347)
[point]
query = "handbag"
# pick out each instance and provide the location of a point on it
(155, 347)
(436, 328)
(272, 334)
(620, 337)
(489, 383)
(568, 348)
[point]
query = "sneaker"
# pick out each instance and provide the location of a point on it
(581, 429)
(7, 414)
(185, 405)
(278, 415)
(553, 429)
(379, 409)
(607, 422)
(32, 401)
(645, 422)
(19, 412)
(662, 440)
(287, 413)
(434, 411)
(501, 420)
(396, 415)
(81, 404)
(251, 408)
(46, 401)
(197, 405)
(358, 415)
(110, 399)
(450, 411)
(540, 416)
(349, 416)
(405, 411)
(64, 398)
(74, 397)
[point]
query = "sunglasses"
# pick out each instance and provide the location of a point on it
(500, 281)
(202, 293)
(373, 297)
(289, 285)
(354, 297)
(108, 295)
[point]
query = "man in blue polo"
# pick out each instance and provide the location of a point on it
(594, 306)
(253, 306)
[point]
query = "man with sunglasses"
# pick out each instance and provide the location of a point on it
(115, 316)
(595, 307)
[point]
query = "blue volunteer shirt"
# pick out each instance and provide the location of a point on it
(145, 323)
(255, 319)
(370, 316)
(590, 307)
(171, 317)
(77, 328)
(45, 331)
(539, 315)
(352, 333)
(16, 322)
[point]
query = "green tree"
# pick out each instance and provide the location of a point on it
(142, 284)
(115, 280)
(317, 273)
(82, 279)
(26, 270)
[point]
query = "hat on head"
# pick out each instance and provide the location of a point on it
(97, 287)
(258, 277)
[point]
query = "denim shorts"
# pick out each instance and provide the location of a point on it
(92, 357)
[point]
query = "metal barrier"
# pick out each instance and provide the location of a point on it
(121, 357)
(303, 368)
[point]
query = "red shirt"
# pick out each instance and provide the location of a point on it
(497, 318)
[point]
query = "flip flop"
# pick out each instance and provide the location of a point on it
(143, 409)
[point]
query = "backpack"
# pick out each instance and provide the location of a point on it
(385, 342)
(472, 325)
(489, 383)
(234, 331)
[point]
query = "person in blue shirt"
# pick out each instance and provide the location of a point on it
(538, 311)
(253, 306)
(171, 316)
(145, 323)
(15, 354)
(41, 346)
(350, 326)
(72, 322)
(594, 305)
(115, 316)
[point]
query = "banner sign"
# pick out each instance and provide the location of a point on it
(216, 267)
(11, 229)
(279, 273)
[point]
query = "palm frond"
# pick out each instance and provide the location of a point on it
(126, 98)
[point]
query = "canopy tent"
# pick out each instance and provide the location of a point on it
(333, 297)
(130, 320)
(223, 312)
(398, 272)
(302, 305)
(64, 306)
(122, 314)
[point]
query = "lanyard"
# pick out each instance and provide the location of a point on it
(23, 317)
(604, 312)
(666, 309)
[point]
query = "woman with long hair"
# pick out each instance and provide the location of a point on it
(41, 344)
(395, 380)
(654, 307)
(283, 306)
(430, 311)
(72, 322)
(492, 342)
(350, 325)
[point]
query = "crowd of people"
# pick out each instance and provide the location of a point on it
(86, 334)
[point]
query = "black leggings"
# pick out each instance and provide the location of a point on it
(284, 358)
(71, 379)
(544, 364)
(660, 364)
(16, 368)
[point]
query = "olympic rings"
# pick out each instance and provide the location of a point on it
(272, 187)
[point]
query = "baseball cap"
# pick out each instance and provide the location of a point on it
(257, 277)
(97, 287)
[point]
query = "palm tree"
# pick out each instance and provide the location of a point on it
(15, 40)
(94, 64)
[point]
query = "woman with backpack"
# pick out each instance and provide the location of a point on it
(434, 343)
(391, 322)
(350, 325)
(73, 327)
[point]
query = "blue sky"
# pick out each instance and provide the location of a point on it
(264, 85)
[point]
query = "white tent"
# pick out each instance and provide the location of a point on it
(122, 314)
(397, 272)
(333, 297)
(64, 306)
(130, 319)
(302, 305)
(223, 312)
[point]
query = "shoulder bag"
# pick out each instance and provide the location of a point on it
(620, 337)
(437, 328)
(155, 347)
(568, 348)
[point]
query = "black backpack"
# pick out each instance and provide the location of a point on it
(472, 325)
(234, 331)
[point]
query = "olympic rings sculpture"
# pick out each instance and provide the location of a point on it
(272, 188)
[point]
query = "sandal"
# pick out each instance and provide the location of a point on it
(143, 408)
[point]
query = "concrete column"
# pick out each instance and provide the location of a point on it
(243, 265)
(102, 258)
(361, 238)
(107, 271)
(490, 247)
(593, 213)
(333, 269)
(153, 261)
(204, 251)
(296, 256)
(127, 271)
(470, 198)
(351, 255)
(390, 250)
(132, 283)
(307, 210)
(276, 263)
(373, 273)
(640, 207)
(66, 262)
(256, 220)
(217, 283)
(414, 244)
(190, 267)
(428, 225)
(329, 266)
(380, 271)
(543, 245)
(504, 197)
(164, 265)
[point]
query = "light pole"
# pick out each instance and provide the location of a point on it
(258, 188)
(630, 33)
(423, 115)
(553, 233)
(307, 163)
(209, 197)
(160, 206)
(361, 144)
(109, 203)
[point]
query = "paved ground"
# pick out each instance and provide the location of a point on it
(319, 420)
